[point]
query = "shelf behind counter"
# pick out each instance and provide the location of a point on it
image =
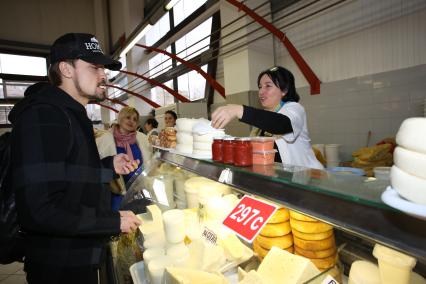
(349, 203)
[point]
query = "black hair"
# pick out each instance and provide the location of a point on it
(172, 113)
(283, 79)
(152, 121)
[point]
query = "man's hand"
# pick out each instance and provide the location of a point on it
(123, 165)
(128, 221)
(223, 115)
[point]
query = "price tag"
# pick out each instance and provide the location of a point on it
(249, 217)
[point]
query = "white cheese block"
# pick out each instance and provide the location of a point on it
(411, 162)
(206, 146)
(241, 273)
(412, 134)
(185, 124)
(184, 148)
(280, 266)
(184, 138)
(205, 256)
(204, 154)
(408, 186)
(364, 272)
(176, 275)
(208, 137)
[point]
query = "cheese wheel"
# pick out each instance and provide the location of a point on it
(312, 237)
(310, 227)
(276, 230)
(203, 146)
(315, 254)
(185, 124)
(410, 162)
(282, 242)
(263, 252)
(315, 245)
(281, 215)
(184, 148)
(184, 138)
(301, 217)
(412, 133)
(324, 263)
(408, 186)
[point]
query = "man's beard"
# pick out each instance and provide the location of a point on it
(95, 97)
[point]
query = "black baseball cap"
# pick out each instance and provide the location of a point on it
(81, 46)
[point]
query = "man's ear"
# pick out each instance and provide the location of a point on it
(66, 69)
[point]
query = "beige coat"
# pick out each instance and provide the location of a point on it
(106, 147)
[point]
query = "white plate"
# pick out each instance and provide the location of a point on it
(391, 197)
(137, 271)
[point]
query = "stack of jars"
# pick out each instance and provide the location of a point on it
(244, 151)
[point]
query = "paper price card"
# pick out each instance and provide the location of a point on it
(249, 217)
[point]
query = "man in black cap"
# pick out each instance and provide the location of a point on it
(59, 180)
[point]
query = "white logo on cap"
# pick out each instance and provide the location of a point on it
(93, 45)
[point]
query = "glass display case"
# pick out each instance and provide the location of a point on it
(352, 204)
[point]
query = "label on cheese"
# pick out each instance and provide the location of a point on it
(249, 217)
(329, 280)
(209, 236)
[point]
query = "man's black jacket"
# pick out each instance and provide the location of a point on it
(62, 200)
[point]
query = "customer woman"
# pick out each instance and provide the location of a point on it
(170, 118)
(123, 138)
(282, 117)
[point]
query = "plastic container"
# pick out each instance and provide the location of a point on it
(174, 225)
(262, 143)
(332, 153)
(394, 267)
(228, 150)
(217, 150)
(264, 157)
(382, 173)
(243, 152)
(364, 272)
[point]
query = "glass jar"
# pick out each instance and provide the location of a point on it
(243, 152)
(228, 150)
(217, 150)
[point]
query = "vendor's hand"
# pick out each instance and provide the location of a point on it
(123, 165)
(128, 221)
(223, 115)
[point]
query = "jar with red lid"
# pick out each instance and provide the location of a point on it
(243, 152)
(217, 150)
(228, 150)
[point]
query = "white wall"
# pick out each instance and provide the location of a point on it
(370, 56)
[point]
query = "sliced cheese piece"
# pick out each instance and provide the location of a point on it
(310, 227)
(364, 272)
(241, 273)
(282, 242)
(234, 248)
(280, 266)
(253, 277)
(408, 186)
(281, 215)
(411, 162)
(412, 134)
(205, 256)
(178, 275)
(276, 230)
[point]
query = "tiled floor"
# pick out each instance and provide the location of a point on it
(12, 273)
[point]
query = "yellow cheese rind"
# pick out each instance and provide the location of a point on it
(315, 245)
(281, 215)
(313, 236)
(282, 242)
(310, 227)
(276, 230)
(315, 254)
(301, 217)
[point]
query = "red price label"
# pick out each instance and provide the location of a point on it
(249, 217)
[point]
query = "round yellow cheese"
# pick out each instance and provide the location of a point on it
(315, 254)
(301, 217)
(315, 245)
(276, 230)
(313, 236)
(281, 215)
(324, 263)
(310, 227)
(282, 242)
